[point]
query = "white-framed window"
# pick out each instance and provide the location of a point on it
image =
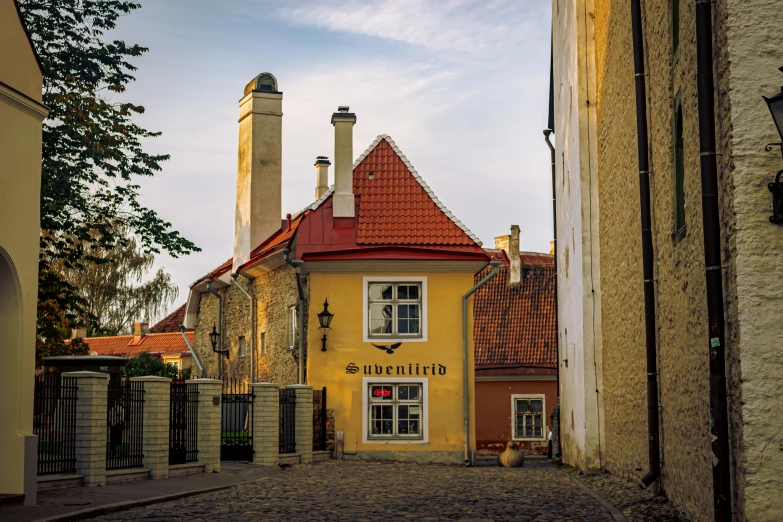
(395, 308)
(242, 351)
(290, 337)
(395, 410)
(527, 414)
(175, 362)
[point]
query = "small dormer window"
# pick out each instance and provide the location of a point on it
(266, 83)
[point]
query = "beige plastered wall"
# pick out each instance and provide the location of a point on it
(20, 182)
(579, 283)
(273, 292)
(744, 69)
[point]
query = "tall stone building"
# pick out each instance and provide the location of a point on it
(594, 73)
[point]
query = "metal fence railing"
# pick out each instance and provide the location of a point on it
(124, 424)
(287, 438)
(183, 423)
(54, 422)
(319, 419)
(236, 421)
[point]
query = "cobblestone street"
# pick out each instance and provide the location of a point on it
(374, 491)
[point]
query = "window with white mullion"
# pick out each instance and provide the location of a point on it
(394, 310)
(396, 411)
(528, 415)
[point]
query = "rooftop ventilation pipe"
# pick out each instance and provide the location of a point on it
(719, 425)
(321, 176)
(192, 351)
(465, 363)
(297, 264)
(647, 247)
(252, 325)
(220, 328)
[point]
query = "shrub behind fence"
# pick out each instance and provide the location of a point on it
(54, 421)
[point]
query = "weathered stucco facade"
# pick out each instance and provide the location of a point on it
(579, 283)
(274, 292)
(746, 58)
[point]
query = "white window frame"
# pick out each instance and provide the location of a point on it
(366, 280)
(425, 434)
(544, 432)
(291, 319)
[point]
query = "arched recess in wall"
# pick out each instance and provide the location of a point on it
(10, 329)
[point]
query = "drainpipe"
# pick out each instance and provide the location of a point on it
(647, 248)
(192, 351)
(465, 389)
(297, 264)
(220, 327)
(719, 425)
(252, 326)
(558, 450)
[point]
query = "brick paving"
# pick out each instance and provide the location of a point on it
(388, 491)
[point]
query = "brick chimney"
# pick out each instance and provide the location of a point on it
(141, 329)
(501, 242)
(515, 268)
(259, 166)
(321, 175)
(343, 202)
(80, 332)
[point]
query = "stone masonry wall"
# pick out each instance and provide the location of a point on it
(274, 292)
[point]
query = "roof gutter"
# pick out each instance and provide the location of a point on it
(297, 264)
(653, 449)
(192, 351)
(465, 363)
(220, 326)
(252, 325)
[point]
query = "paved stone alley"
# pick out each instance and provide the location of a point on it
(373, 491)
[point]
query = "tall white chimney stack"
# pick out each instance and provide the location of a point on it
(342, 202)
(321, 176)
(260, 166)
(515, 266)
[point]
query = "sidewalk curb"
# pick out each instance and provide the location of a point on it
(616, 513)
(107, 509)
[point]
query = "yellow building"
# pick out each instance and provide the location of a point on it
(21, 113)
(395, 266)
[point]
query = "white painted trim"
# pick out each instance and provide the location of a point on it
(425, 430)
(365, 309)
(544, 433)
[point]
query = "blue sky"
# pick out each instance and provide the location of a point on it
(460, 85)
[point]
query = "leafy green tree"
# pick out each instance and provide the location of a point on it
(92, 153)
(145, 364)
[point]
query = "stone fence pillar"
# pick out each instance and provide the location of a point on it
(209, 415)
(155, 439)
(91, 407)
(304, 421)
(266, 423)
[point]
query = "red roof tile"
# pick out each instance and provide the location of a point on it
(396, 207)
(515, 326)
(171, 322)
(124, 345)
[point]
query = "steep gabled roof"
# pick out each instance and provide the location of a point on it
(515, 326)
(171, 322)
(397, 207)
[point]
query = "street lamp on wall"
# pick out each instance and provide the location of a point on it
(214, 337)
(775, 105)
(325, 320)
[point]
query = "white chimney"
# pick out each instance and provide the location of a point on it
(80, 332)
(321, 176)
(259, 167)
(141, 329)
(515, 268)
(342, 202)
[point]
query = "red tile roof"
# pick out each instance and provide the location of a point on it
(171, 322)
(396, 207)
(515, 326)
(277, 240)
(129, 346)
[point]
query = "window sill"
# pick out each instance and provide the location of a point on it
(540, 439)
(395, 441)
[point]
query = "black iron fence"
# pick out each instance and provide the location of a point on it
(319, 419)
(124, 424)
(236, 421)
(183, 423)
(287, 420)
(54, 421)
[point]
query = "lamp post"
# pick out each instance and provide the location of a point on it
(775, 105)
(214, 337)
(325, 320)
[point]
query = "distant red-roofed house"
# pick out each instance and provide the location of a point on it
(515, 354)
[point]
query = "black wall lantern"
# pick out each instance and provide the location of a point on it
(775, 105)
(214, 337)
(325, 320)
